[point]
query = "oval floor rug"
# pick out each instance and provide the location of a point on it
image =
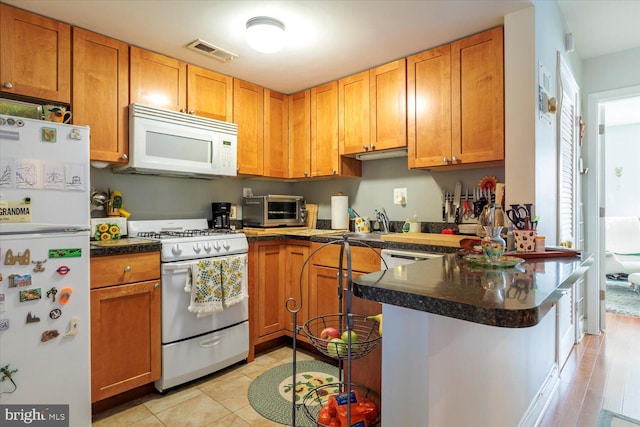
(270, 393)
(622, 299)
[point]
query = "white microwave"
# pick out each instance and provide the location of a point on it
(164, 142)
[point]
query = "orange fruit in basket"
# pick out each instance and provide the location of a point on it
(369, 409)
(324, 417)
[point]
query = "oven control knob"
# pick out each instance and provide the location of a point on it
(226, 244)
(177, 249)
(216, 245)
(207, 246)
(197, 248)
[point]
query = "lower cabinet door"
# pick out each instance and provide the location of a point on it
(125, 337)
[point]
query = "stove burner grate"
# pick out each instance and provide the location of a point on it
(182, 233)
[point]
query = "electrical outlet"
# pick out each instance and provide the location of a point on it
(399, 196)
(247, 192)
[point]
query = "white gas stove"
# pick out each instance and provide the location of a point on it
(194, 346)
(184, 239)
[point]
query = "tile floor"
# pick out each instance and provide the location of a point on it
(218, 400)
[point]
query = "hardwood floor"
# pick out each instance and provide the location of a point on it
(603, 371)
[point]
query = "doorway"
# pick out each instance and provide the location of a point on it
(606, 191)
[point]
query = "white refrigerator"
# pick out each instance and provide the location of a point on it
(45, 376)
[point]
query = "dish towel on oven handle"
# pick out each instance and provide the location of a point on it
(215, 283)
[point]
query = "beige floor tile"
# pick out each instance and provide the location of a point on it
(151, 421)
(197, 412)
(122, 415)
(221, 378)
(249, 415)
(157, 402)
(232, 394)
(231, 420)
(258, 366)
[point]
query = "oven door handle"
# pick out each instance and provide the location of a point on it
(177, 267)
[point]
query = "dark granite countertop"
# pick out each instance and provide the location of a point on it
(124, 246)
(516, 297)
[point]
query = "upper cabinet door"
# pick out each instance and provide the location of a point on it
(429, 107)
(101, 93)
(388, 92)
(477, 66)
(353, 110)
(35, 58)
(157, 80)
(300, 134)
(209, 94)
(276, 134)
(324, 130)
(248, 114)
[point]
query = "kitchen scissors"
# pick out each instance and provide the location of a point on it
(519, 216)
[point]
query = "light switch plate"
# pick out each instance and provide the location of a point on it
(247, 192)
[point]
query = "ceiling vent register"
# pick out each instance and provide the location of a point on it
(208, 49)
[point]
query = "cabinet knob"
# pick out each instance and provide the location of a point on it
(127, 269)
(365, 147)
(306, 173)
(445, 159)
(183, 110)
(192, 111)
(334, 171)
(124, 157)
(156, 286)
(454, 159)
(373, 147)
(8, 85)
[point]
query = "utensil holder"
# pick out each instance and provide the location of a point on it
(525, 240)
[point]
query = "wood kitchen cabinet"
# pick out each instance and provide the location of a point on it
(35, 56)
(456, 94)
(276, 134)
(267, 287)
(125, 322)
(101, 93)
(300, 134)
(372, 109)
(248, 114)
(325, 154)
(366, 370)
(297, 284)
(164, 82)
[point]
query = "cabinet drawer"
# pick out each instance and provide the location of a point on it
(129, 268)
(362, 259)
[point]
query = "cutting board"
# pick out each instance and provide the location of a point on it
(449, 240)
(312, 215)
(249, 231)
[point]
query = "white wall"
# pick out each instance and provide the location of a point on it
(622, 151)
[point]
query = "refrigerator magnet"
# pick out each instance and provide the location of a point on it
(38, 268)
(17, 280)
(65, 253)
(51, 293)
(48, 134)
(65, 294)
(32, 318)
(73, 327)
(49, 335)
(30, 295)
(23, 258)
(63, 269)
(4, 324)
(55, 313)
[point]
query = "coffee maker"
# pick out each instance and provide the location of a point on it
(221, 212)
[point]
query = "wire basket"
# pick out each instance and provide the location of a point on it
(318, 398)
(365, 335)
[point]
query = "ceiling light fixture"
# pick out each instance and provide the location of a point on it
(264, 34)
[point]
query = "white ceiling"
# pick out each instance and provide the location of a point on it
(325, 39)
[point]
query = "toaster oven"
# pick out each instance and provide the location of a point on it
(274, 211)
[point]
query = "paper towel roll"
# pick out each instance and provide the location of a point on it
(339, 214)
